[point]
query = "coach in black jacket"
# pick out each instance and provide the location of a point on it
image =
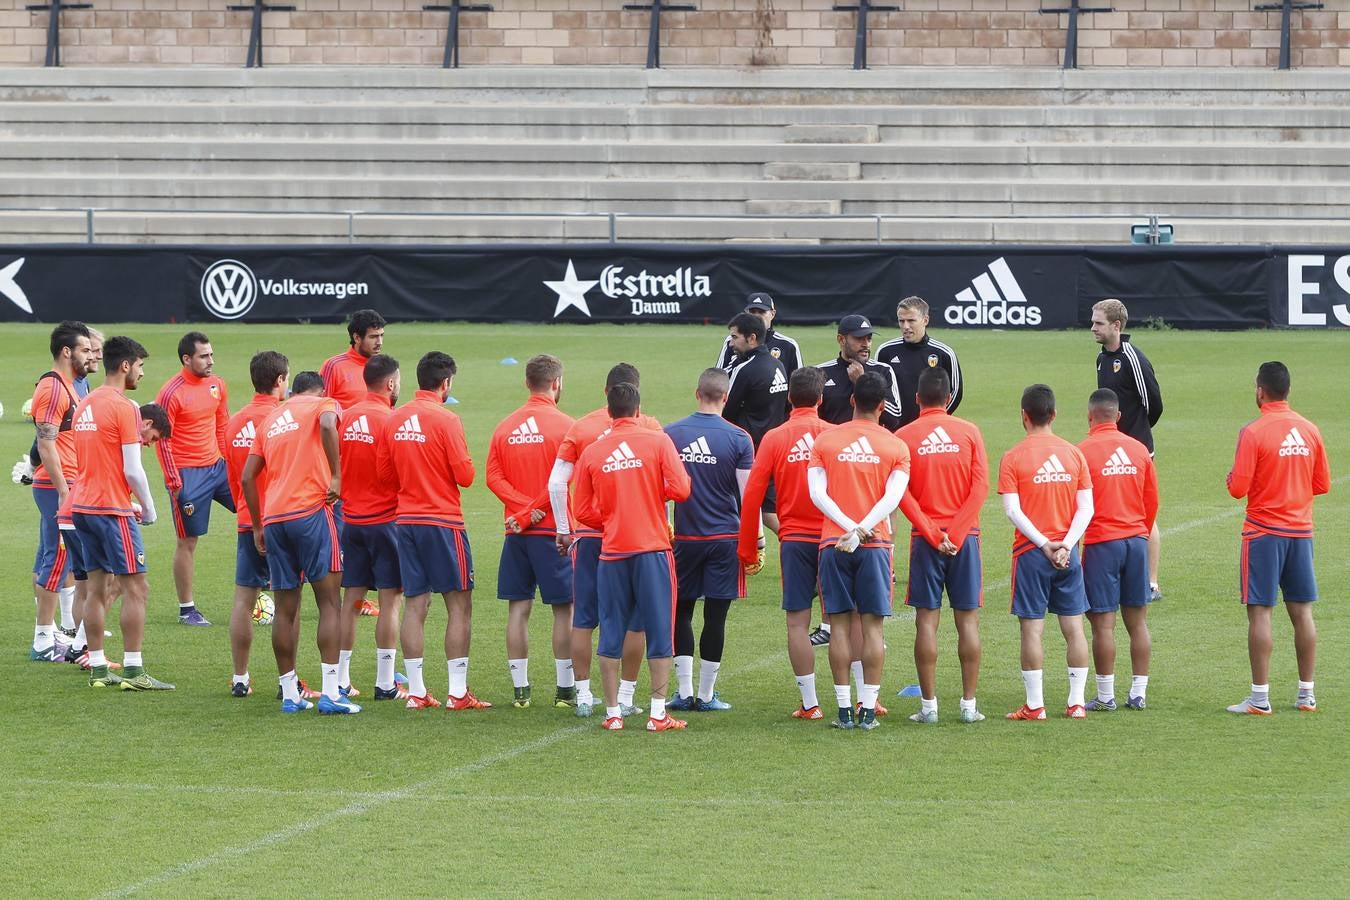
(757, 396)
(914, 353)
(855, 357)
(780, 346)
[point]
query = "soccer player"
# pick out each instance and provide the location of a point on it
(1280, 465)
(842, 373)
(268, 371)
(623, 481)
(520, 458)
(427, 461)
(54, 402)
(858, 473)
(914, 353)
(782, 460)
(109, 432)
(1115, 549)
(1047, 495)
(369, 537)
(344, 377)
(584, 547)
(757, 398)
(949, 479)
(717, 456)
(1123, 368)
(193, 460)
(297, 449)
(781, 347)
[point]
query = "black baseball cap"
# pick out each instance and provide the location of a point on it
(758, 300)
(855, 326)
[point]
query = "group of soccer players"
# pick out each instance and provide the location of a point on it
(335, 484)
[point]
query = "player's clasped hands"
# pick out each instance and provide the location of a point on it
(1057, 553)
(947, 548)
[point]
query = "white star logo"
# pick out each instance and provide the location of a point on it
(9, 288)
(570, 291)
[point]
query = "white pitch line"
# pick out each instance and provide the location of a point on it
(238, 790)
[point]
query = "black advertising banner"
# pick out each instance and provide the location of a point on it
(966, 286)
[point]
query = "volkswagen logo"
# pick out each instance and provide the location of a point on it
(229, 289)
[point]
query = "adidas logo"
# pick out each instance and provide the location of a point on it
(699, 452)
(982, 304)
(1051, 471)
(801, 451)
(938, 442)
(829, 382)
(622, 458)
(284, 423)
(246, 436)
(860, 451)
(411, 430)
(1119, 464)
(86, 420)
(359, 432)
(1293, 444)
(779, 382)
(526, 432)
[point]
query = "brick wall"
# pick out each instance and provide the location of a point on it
(1143, 33)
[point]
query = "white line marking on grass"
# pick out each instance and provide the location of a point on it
(1237, 510)
(234, 789)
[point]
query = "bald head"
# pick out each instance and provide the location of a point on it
(1103, 406)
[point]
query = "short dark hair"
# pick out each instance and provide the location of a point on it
(1103, 402)
(749, 325)
(187, 345)
(66, 335)
(623, 399)
(805, 387)
(158, 419)
(434, 368)
(307, 382)
(120, 349)
(1273, 378)
(622, 373)
(935, 386)
(265, 368)
(362, 321)
(712, 384)
(380, 367)
(869, 392)
(1038, 402)
(542, 370)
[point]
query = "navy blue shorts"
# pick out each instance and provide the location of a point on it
(70, 538)
(930, 572)
(250, 566)
(1038, 587)
(192, 512)
(708, 569)
(799, 563)
(370, 556)
(1270, 562)
(585, 589)
(532, 561)
(304, 549)
(51, 565)
(856, 582)
(1115, 574)
(110, 544)
(637, 593)
(434, 559)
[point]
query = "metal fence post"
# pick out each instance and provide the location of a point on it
(613, 229)
(89, 224)
(351, 227)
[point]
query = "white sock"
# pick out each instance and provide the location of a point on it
(459, 675)
(1106, 687)
(330, 681)
(707, 678)
(290, 687)
(241, 679)
(626, 691)
(130, 659)
(842, 696)
(43, 637)
(187, 605)
(1031, 680)
(928, 706)
(345, 667)
(1261, 694)
(520, 672)
(584, 691)
(80, 640)
(97, 658)
(856, 668)
(67, 600)
(563, 670)
(825, 627)
(684, 676)
(1139, 686)
(967, 704)
(613, 712)
(1305, 687)
(658, 707)
(807, 685)
(1077, 684)
(417, 685)
(868, 695)
(384, 668)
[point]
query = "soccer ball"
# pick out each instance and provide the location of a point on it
(28, 409)
(264, 610)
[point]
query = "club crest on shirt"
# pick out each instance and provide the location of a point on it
(932, 360)
(1115, 366)
(215, 391)
(775, 352)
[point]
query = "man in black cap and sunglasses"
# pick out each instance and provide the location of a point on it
(855, 358)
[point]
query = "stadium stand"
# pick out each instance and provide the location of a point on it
(547, 154)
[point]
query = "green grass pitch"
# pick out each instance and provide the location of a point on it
(197, 794)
